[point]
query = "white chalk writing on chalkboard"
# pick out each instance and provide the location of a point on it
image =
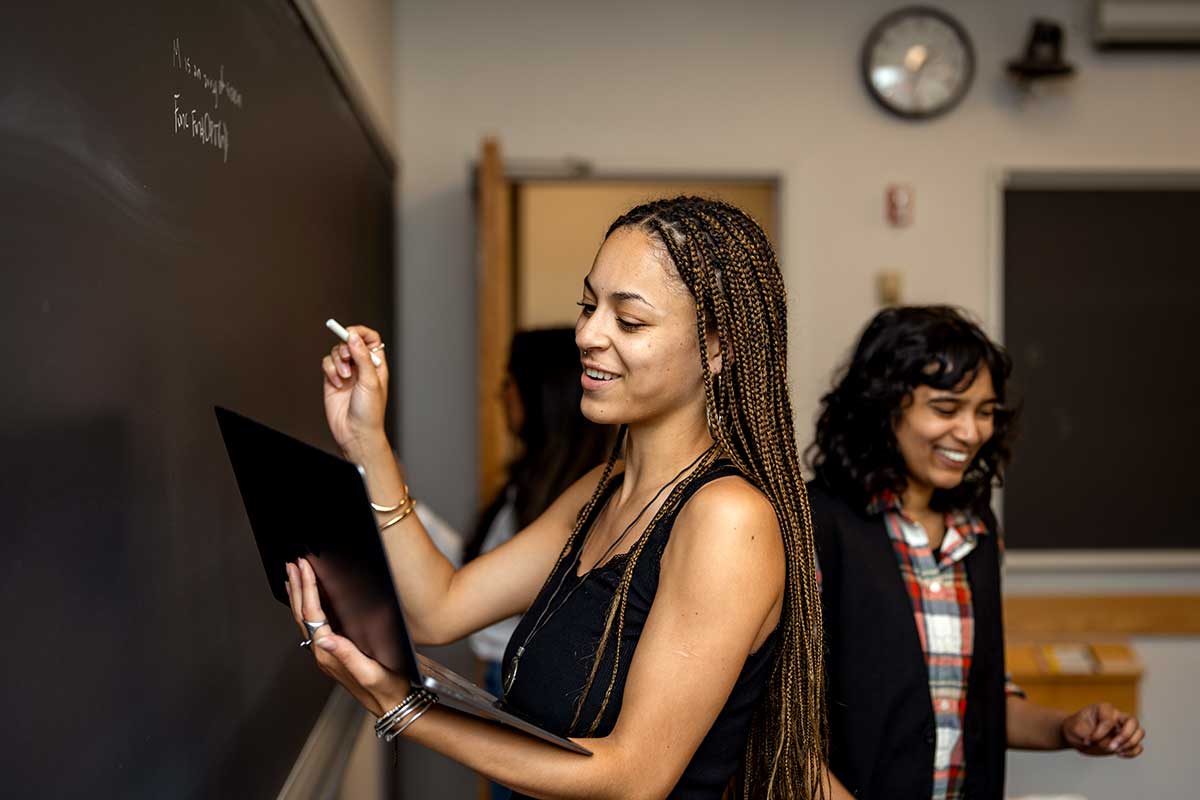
(204, 126)
(216, 85)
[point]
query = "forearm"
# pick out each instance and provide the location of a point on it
(834, 790)
(422, 574)
(1034, 727)
(531, 766)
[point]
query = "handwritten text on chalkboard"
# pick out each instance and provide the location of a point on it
(203, 125)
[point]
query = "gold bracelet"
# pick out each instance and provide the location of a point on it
(388, 509)
(411, 507)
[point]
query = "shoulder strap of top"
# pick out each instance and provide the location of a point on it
(721, 468)
(613, 482)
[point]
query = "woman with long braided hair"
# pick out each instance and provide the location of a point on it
(672, 617)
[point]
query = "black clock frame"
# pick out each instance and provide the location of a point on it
(877, 31)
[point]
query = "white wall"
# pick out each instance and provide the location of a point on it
(763, 86)
(760, 86)
(364, 33)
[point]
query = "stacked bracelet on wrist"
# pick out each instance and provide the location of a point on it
(405, 507)
(405, 500)
(396, 721)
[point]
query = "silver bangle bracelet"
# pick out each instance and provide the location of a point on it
(384, 721)
(414, 698)
(401, 723)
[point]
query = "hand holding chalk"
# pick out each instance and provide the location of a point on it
(356, 380)
(337, 329)
(344, 335)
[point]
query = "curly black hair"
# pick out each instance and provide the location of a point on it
(855, 453)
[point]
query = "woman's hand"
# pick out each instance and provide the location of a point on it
(374, 686)
(356, 381)
(1101, 730)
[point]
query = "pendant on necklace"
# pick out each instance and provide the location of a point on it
(510, 674)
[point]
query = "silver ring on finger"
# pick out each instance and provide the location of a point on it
(306, 643)
(313, 627)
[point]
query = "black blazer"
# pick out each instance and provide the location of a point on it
(881, 715)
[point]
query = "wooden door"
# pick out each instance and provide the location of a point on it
(537, 238)
(494, 314)
(560, 223)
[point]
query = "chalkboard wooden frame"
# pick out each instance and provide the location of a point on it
(1000, 181)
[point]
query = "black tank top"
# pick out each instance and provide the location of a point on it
(555, 665)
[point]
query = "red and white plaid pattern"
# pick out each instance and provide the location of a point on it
(941, 598)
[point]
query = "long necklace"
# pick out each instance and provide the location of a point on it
(547, 614)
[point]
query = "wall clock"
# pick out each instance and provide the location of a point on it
(918, 62)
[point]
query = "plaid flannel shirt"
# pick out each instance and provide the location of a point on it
(941, 599)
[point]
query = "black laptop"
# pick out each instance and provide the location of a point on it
(304, 502)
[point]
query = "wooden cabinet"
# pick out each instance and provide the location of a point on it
(1070, 675)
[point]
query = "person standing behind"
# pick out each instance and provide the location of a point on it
(908, 446)
(541, 396)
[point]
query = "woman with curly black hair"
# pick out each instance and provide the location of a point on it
(909, 444)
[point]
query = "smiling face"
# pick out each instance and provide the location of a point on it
(637, 335)
(940, 431)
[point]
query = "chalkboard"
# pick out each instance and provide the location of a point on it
(1101, 299)
(187, 193)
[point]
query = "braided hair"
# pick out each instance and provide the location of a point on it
(728, 265)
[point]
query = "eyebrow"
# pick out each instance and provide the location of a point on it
(619, 295)
(950, 398)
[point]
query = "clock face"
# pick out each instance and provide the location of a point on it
(918, 62)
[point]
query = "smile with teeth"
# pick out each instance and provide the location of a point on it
(957, 456)
(598, 375)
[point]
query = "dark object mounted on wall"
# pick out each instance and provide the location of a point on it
(1043, 55)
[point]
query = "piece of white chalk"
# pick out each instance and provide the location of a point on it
(337, 329)
(344, 335)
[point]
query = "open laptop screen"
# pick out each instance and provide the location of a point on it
(302, 501)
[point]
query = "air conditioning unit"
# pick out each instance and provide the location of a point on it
(1136, 24)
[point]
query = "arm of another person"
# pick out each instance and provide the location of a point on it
(441, 604)
(720, 592)
(1095, 730)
